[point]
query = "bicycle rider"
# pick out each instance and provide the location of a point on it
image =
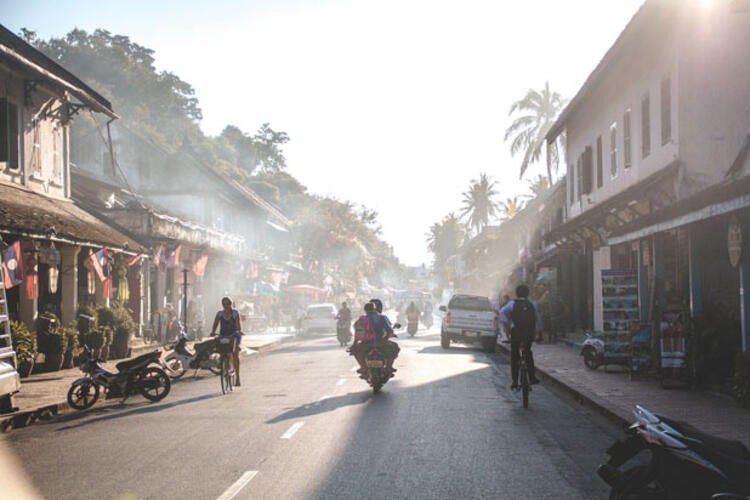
(229, 319)
(522, 318)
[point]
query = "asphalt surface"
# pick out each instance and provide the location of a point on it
(303, 425)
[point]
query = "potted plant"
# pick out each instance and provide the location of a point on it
(122, 326)
(50, 341)
(742, 379)
(25, 347)
(70, 335)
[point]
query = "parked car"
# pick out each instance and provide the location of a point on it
(469, 319)
(319, 318)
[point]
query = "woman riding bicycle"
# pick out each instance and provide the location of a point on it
(229, 319)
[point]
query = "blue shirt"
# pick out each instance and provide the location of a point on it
(380, 323)
(508, 308)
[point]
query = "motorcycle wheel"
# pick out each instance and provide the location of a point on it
(174, 366)
(590, 359)
(80, 396)
(154, 384)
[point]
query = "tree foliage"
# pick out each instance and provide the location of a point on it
(443, 240)
(479, 203)
(535, 115)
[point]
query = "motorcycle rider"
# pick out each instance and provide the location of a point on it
(427, 314)
(391, 347)
(412, 312)
(523, 320)
(345, 315)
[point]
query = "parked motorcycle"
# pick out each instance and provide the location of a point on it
(634, 355)
(685, 462)
(343, 331)
(181, 359)
(134, 376)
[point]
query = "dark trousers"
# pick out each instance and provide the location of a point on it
(515, 356)
(389, 348)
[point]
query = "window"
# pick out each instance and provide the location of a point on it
(666, 111)
(599, 163)
(627, 156)
(645, 126)
(9, 137)
(571, 184)
(588, 170)
(58, 154)
(579, 177)
(613, 149)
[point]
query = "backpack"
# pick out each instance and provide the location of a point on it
(523, 316)
(363, 330)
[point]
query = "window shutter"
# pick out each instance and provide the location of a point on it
(588, 170)
(3, 129)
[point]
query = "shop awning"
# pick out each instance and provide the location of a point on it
(33, 215)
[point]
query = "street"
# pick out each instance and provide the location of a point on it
(303, 425)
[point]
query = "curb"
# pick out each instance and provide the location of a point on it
(30, 417)
(577, 395)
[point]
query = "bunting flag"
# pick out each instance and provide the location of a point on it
(174, 257)
(12, 265)
(99, 263)
(32, 285)
(134, 260)
(159, 259)
(199, 268)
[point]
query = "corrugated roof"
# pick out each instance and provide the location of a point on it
(15, 48)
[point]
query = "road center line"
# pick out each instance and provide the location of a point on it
(341, 382)
(238, 485)
(292, 430)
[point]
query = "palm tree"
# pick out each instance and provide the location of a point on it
(443, 240)
(510, 208)
(538, 185)
(537, 113)
(479, 203)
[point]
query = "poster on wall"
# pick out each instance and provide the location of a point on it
(619, 300)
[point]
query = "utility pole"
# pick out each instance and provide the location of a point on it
(184, 298)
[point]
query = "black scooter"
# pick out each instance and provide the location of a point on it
(685, 462)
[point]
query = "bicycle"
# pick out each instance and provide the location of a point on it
(523, 373)
(225, 348)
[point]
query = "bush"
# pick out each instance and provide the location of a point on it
(122, 327)
(742, 379)
(23, 341)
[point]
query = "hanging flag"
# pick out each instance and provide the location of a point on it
(107, 288)
(12, 265)
(174, 257)
(199, 268)
(135, 260)
(99, 263)
(32, 285)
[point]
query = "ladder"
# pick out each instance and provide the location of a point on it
(10, 382)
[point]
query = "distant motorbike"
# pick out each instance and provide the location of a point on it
(427, 319)
(412, 323)
(685, 462)
(181, 359)
(343, 331)
(134, 376)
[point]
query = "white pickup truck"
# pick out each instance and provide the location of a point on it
(469, 319)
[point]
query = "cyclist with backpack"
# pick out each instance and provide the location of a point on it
(524, 321)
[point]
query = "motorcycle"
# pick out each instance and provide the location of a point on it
(412, 324)
(378, 372)
(685, 462)
(181, 359)
(634, 355)
(343, 331)
(427, 319)
(134, 376)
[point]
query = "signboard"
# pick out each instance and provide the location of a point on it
(619, 300)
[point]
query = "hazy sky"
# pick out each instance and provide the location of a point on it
(394, 104)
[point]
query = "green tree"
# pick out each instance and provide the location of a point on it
(443, 240)
(535, 115)
(260, 152)
(538, 185)
(510, 207)
(479, 204)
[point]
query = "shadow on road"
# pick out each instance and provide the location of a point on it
(328, 404)
(108, 412)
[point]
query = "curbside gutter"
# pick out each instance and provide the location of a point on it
(47, 412)
(577, 395)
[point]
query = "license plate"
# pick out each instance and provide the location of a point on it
(375, 363)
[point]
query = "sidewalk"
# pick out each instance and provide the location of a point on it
(615, 395)
(43, 395)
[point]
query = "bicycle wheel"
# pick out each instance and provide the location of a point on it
(525, 385)
(226, 376)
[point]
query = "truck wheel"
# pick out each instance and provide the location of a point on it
(489, 343)
(445, 341)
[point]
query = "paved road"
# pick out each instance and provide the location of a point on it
(304, 426)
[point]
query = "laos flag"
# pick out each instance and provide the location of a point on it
(12, 265)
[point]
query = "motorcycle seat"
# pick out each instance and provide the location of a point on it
(728, 447)
(143, 358)
(204, 345)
